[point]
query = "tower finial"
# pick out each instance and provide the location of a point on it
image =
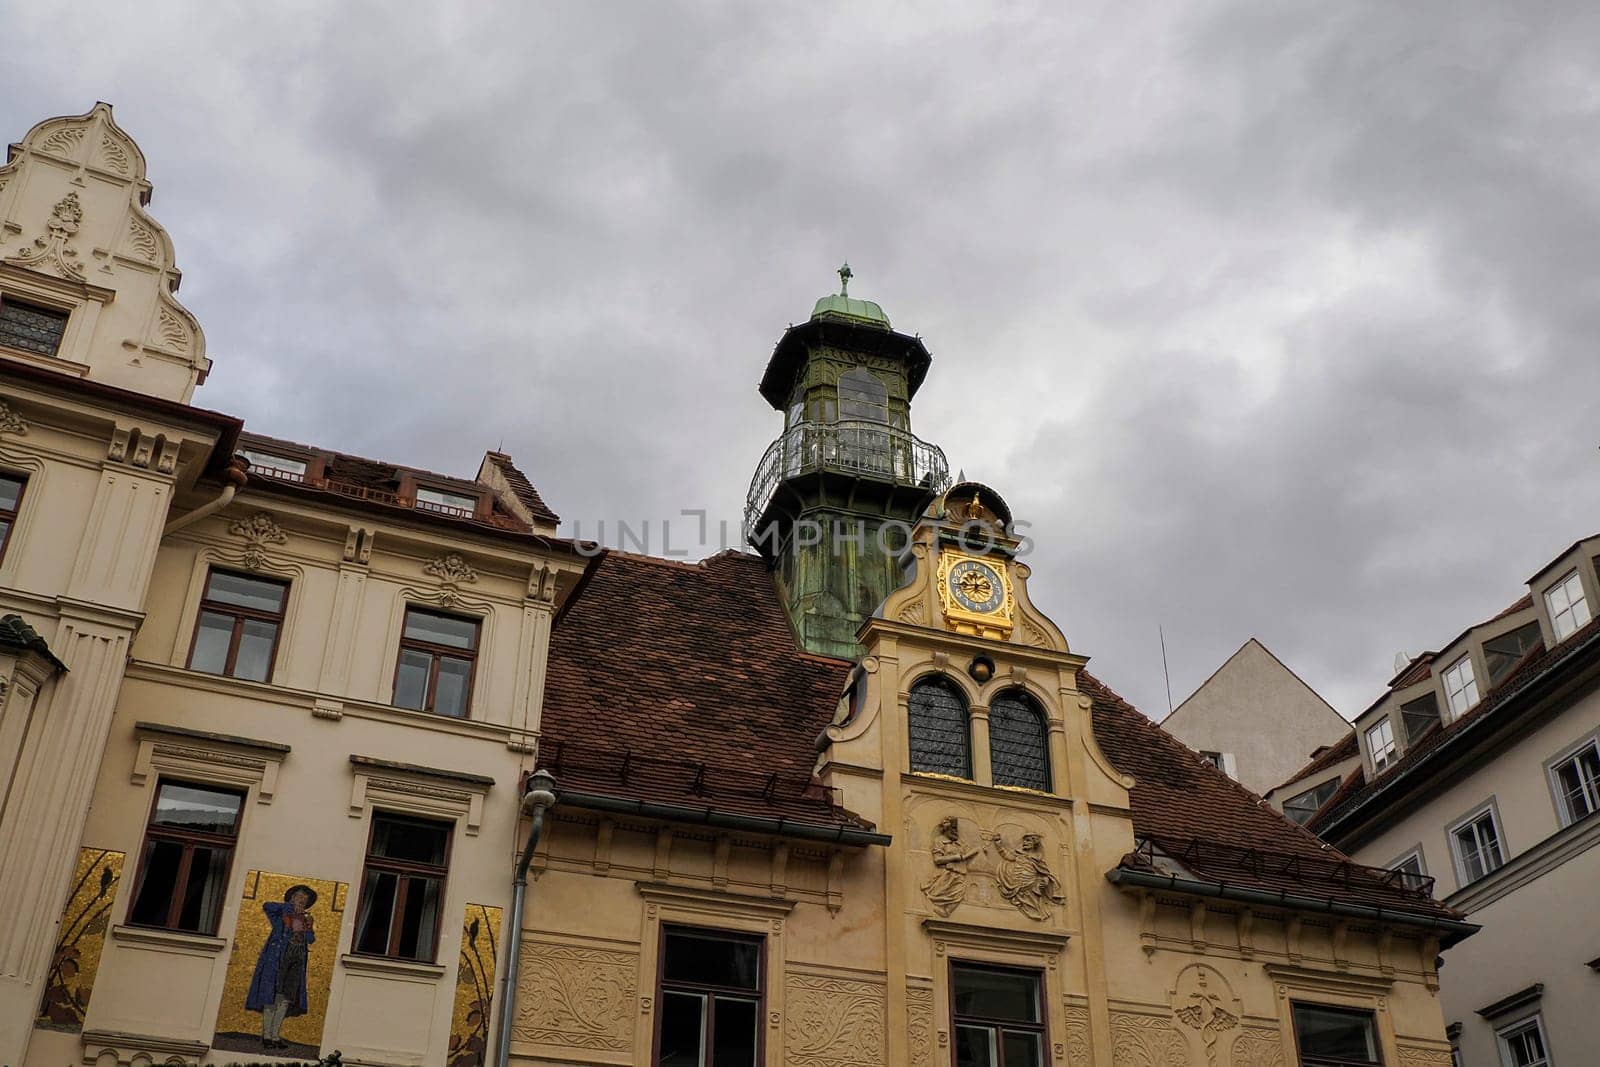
(845, 274)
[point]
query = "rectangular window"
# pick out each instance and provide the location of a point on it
(998, 1018)
(1522, 1045)
(237, 631)
(1504, 652)
(710, 999)
(1302, 806)
(1412, 875)
(1335, 1037)
(1380, 743)
(1578, 783)
(188, 848)
(10, 501)
(402, 887)
(31, 328)
(282, 467)
(458, 504)
(1478, 846)
(438, 654)
(1418, 716)
(1460, 686)
(1569, 611)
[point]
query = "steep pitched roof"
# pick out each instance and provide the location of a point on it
(681, 683)
(1172, 717)
(525, 493)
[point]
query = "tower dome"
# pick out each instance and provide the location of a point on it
(842, 305)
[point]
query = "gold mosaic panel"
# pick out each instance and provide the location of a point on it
(83, 934)
(469, 1024)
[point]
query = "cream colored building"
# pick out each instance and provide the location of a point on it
(1479, 768)
(1255, 718)
(267, 709)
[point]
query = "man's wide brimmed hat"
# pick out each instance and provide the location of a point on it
(310, 893)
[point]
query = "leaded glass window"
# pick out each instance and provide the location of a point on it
(940, 740)
(30, 328)
(1018, 753)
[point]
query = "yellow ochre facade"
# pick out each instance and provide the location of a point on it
(266, 713)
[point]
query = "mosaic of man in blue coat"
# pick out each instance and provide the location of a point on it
(278, 988)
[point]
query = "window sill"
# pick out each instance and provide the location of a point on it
(180, 942)
(409, 970)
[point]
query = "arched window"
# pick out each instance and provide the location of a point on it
(863, 397)
(940, 740)
(1018, 750)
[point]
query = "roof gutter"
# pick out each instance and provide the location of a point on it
(839, 835)
(1533, 689)
(1451, 930)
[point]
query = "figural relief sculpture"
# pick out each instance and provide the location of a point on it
(1020, 872)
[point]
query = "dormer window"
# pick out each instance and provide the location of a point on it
(446, 503)
(1418, 716)
(1460, 686)
(1504, 652)
(31, 328)
(1381, 745)
(275, 466)
(1569, 611)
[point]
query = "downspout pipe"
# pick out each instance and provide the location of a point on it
(236, 477)
(538, 797)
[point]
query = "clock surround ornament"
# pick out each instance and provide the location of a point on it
(976, 594)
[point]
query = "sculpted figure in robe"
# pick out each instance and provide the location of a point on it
(1024, 878)
(948, 886)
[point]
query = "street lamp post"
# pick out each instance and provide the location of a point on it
(538, 797)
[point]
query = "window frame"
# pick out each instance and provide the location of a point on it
(1471, 683)
(1487, 809)
(1436, 718)
(1032, 706)
(188, 840)
(1413, 853)
(402, 868)
(937, 679)
(239, 614)
(1322, 1061)
(1335, 782)
(1503, 1035)
(434, 651)
(1041, 994)
(663, 986)
(1571, 578)
(11, 516)
(1553, 766)
(35, 304)
(272, 470)
(450, 511)
(1392, 750)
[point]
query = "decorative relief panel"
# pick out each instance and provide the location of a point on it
(1414, 1056)
(53, 250)
(142, 240)
(834, 1022)
(10, 421)
(453, 571)
(1004, 866)
(1260, 1047)
(1077, 1018)
(1146, 1041)
(576, 997)
(1203, 1001)
(919, 1025)
(258, 531)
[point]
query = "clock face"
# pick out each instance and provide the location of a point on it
(976, 587)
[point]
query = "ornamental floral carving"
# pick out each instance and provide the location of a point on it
(834, 1022)
(1260, 1047)
(1203, 1002)
(1077, 1033)
(10, 421)
(52, 250)
(576, 998)
(452, 570)
(1146, 1041)
(1413, 1056)
(258, 531)
(919, 1025)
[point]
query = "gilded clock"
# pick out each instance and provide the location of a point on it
(976, 594)
(976, 586)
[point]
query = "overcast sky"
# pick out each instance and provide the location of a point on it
(1274, 319)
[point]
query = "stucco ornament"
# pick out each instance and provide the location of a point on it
(10, 421)
(1203, 1008)
(52, 249)
(452, 570)
(1024, 877)
(258, 531)
(948, 886)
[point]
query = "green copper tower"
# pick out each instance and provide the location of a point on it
(833, 497)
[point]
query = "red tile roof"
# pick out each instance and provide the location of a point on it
(681, 683)
(524, 490)
(1341, 750)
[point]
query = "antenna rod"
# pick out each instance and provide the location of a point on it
(1164, 671)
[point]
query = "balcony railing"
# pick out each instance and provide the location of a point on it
(865, 449)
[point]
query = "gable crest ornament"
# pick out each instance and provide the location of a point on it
(52, 250)
(258, 531)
